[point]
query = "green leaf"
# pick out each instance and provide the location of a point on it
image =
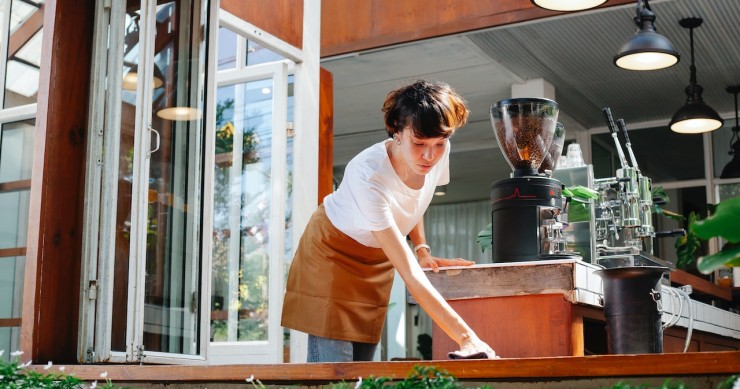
(580, 192)
(578, 212)
(726, 257)
(485, 238)
(669, 214)
(724, 223)
(659, 192)
(687, 245)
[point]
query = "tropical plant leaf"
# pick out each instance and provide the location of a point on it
(580, 192)
(726, 257)
(659, 193)
(724, 223)
(578, 212)
(687, 245)
(485, 238)
(669, 214)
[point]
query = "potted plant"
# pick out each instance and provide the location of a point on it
(724, 223)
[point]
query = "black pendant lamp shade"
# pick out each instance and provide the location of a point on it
(567, 5)
(694, 117)
(646, 50)
(732, 169)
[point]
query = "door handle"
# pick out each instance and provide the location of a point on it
(158, 140)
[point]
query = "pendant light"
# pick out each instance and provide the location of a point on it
(180, 114)
(694, 117)
(646, 50)
(131, 78)
(732, 169)
(567, 5)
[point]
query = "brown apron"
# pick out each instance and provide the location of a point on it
(337, 288)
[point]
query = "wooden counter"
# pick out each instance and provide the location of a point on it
(544, 309)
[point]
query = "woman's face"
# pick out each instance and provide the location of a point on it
(421, 154)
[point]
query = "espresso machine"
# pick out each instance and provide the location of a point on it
(623, 212)
(527, 208)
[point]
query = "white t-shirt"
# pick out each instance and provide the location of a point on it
(372, 196)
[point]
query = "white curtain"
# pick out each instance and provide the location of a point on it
(451, 230)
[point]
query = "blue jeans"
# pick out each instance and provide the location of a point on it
(332, 350)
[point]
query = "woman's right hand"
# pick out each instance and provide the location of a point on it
(473, 346)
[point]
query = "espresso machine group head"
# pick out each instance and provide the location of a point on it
(526, 208)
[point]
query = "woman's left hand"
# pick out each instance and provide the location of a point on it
(430, 261)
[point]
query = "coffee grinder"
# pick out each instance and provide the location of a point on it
(526, 208)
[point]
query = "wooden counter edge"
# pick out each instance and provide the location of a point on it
(668, 365)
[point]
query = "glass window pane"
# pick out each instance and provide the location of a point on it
(125, 177)
(172, 281)
(683, 201)
(20, 12)
(11, 286)
(227, 41)
(661, 154)
(14, 220)
(16, 151)
(242, 191)
(10, 342)
(256, 54)
(726, 159)
(729, 191)
(24, 53)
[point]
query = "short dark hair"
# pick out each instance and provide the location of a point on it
(430, 109)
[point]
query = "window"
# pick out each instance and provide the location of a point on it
(251, 203)
(657, 151)
(21, 28)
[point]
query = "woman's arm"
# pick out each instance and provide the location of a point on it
(426, 259)
(398, 252)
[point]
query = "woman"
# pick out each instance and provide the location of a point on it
(340, 279)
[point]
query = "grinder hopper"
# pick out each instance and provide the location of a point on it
(524, 129)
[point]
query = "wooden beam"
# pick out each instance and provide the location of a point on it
(56, 200)
(614, 366)
(13, 322)
(26, 31)
(352, 26)
(326, 133)
(13, 252)
(14, 186)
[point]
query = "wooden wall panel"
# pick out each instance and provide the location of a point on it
(52, 286)
(525, 326)
(350, 26)
(326, 133)
(281, 18)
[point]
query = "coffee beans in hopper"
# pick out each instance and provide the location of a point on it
(526, 140)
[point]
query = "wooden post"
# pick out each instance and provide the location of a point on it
(53, 256)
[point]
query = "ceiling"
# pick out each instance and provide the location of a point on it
(573, 52)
